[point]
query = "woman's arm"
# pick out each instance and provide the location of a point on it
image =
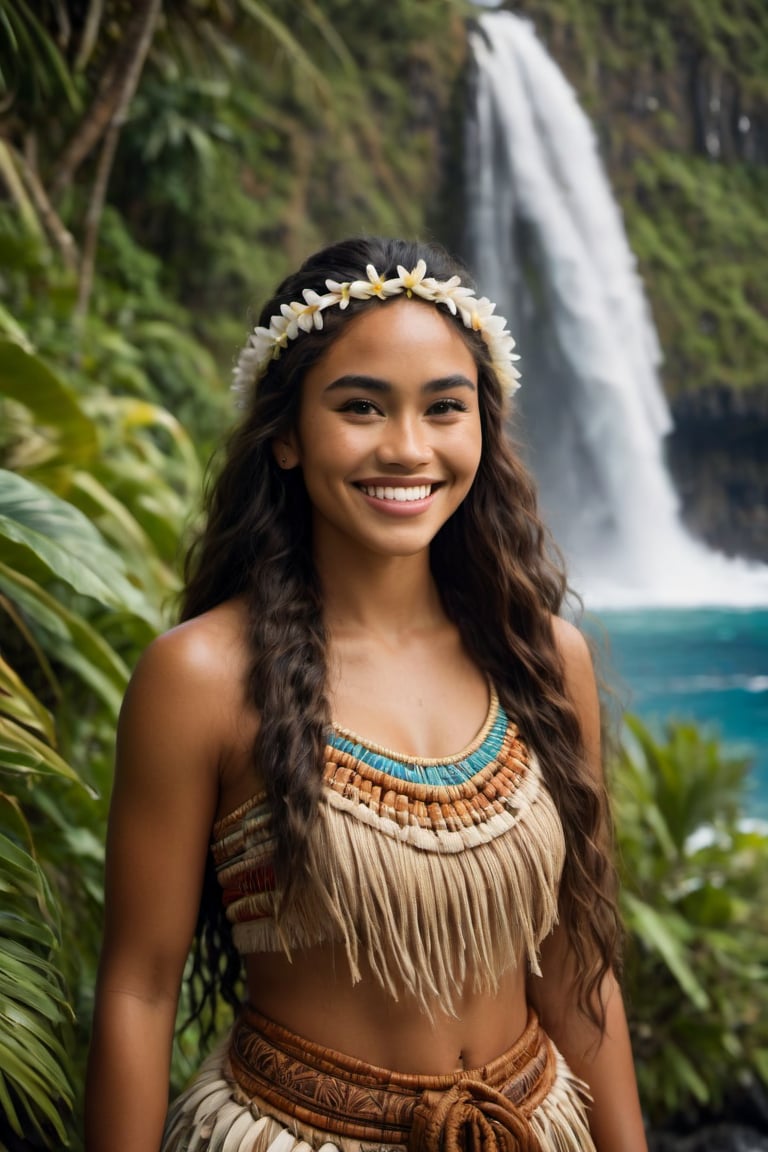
(605, 1064)
(162, 809)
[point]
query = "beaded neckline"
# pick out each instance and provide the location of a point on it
(430, 770)
(351, 737)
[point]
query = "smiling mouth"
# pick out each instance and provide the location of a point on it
(399, 494)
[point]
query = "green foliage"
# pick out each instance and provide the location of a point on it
(629, 34)
(296, 164)
(94, 493)
(31, 65)
(695, 902)
(36, 1085)
(700, 232)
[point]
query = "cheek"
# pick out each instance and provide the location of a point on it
(469, 450)
(329, 453)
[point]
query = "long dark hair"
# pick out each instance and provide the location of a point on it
(257, 544)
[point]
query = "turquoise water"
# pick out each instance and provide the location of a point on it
(708, 665)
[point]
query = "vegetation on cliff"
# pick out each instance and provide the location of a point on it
(679, 98)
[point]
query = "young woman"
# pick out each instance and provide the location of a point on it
(428, 934)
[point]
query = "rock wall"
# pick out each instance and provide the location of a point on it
(718, 457)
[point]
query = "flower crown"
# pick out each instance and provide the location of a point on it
(265, 344)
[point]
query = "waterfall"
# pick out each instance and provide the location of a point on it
(546, 240)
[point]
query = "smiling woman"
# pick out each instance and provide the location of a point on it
(427, 936)
(388, 435)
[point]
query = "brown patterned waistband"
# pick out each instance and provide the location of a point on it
(483, 1108)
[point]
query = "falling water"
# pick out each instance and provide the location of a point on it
(547, 242)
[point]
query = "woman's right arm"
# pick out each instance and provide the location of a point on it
(169, 746)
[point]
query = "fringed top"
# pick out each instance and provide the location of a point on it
(442, 873)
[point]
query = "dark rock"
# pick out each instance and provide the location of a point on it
(741, 1126)
(718, 457)
(717, 1138)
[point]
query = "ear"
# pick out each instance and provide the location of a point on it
(285, 451)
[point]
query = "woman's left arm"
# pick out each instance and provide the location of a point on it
(603, 1062)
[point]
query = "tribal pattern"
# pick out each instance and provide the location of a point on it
(474, 841)
(268, 1090)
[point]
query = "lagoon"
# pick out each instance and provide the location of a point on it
(704, 664)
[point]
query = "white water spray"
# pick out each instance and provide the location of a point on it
(547, 242)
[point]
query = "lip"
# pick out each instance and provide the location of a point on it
(396, 481)
(398, 508)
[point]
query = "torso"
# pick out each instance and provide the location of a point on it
(425, 699)
(313, 996)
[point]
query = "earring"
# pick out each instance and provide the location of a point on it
(283, 461)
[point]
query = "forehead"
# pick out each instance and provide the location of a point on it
(402, 338)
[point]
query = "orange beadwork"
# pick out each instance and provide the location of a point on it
(475, 842)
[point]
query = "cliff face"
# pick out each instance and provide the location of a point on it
(718, 457)
(678, 95)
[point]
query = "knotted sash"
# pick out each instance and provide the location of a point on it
(478, 1111)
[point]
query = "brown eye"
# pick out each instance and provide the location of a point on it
(360, 408)
(446, 407)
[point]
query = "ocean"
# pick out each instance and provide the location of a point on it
(704, 664)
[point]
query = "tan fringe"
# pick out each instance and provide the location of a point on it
(212, 1115)
(433, 914)
(560, 1121)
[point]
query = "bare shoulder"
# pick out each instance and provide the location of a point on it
(576, 657)
(200, 652)
(190, 681)
(571, 644)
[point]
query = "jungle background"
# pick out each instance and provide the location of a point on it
(162, 164)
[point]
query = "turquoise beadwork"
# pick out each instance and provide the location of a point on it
(451, 772)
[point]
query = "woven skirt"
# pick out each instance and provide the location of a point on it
(268, 1090)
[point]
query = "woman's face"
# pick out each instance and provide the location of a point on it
(388, 435)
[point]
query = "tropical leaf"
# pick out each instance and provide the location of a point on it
(25, 378)
(667, 936)
(43, 535)
(695, 899)
(37, 1092)
(72, 641)
(35, 1081)
(21, 751)
(131, 414)
(12, 330)
(19, 703)
(295, 53)
(29, 56)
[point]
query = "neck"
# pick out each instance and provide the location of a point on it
(384, 596)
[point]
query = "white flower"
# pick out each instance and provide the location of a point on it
(246, 369)
(283, 328)
(309, 315)
(476, 313)
(449, 292)
(265, 344)
(414, 281)
(374, 286)
(340, 291)
(262, 342)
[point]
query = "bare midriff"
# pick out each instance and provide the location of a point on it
(313, 996)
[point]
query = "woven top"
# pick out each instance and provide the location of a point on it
(474, 841)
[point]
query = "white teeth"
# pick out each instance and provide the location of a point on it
(416, 492)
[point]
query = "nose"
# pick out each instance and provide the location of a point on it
(405, 443)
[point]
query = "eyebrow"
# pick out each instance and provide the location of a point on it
(374, 384)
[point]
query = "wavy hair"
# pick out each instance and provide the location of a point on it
(257, 544)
